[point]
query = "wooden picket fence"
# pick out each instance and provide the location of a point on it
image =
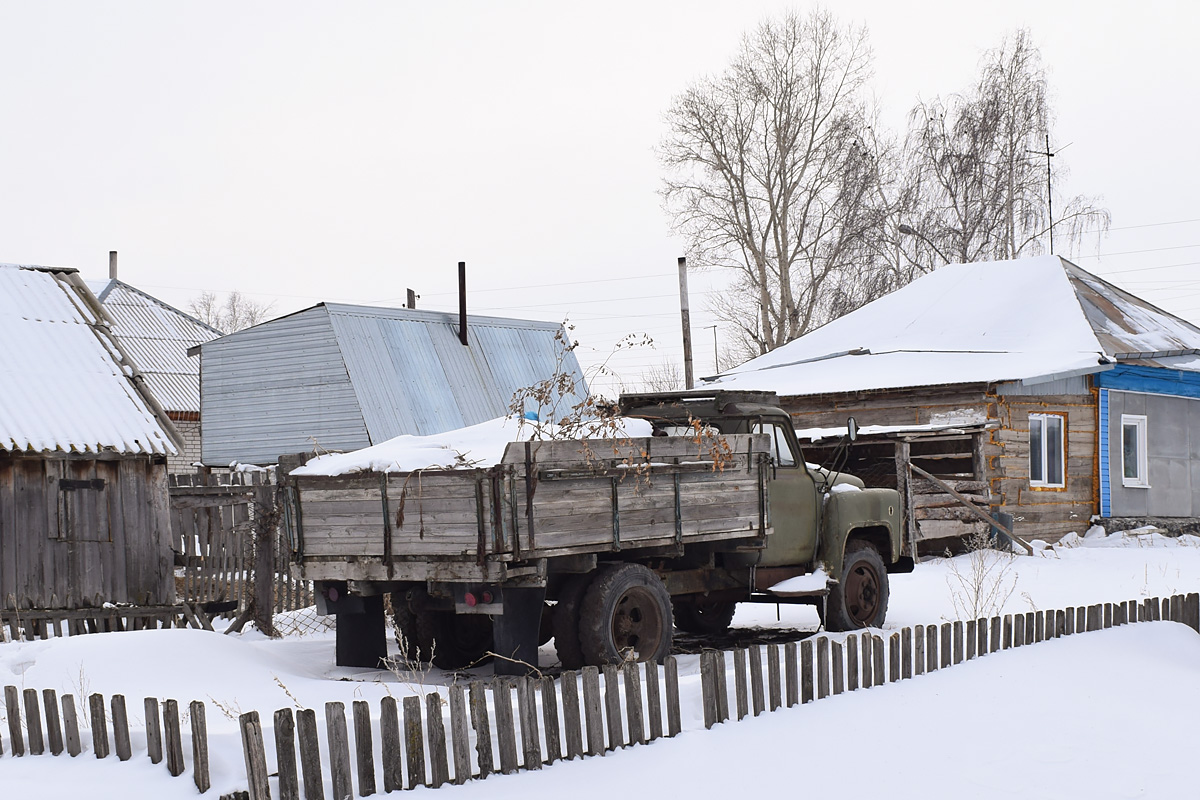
(474, 729)
(30, 624)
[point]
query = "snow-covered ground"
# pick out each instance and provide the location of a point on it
(1106, 714)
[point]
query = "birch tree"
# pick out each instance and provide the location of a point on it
(774, 170)
(976, 183)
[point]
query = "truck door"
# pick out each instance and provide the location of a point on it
(793, 498)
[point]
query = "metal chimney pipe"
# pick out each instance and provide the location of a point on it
(462, 302)
(411, 300)
(112, 265)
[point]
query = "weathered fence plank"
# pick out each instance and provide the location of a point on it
(414, 741)
(851, 663)
(285, 754)
(931, 648)
(531, 745)
(100, 730)
(339, 750)
(865, 649)
(33, 723)
(970, 640)
(392, 744)
(906, 657)
(70, 725)
(758, 700)
(894, 657)
(53, 723)
(805, 667)
(1018, 631)
(708, 688)
(722, 688)
(741, 683)
(253, 752)
(506, 733)
(672, 680)
(460, 740)
(791, 674)
(958, 642)
(120, 723)
(612, 707)
(439, 764)
(12, 709)
(591, 711)
(550, 719)
(919, 650)
(199, 743)
(822, 667)
(633, 703)
(174, 742)
(836, 667)
(572, 715)
(483, 728)
(154, 740)
(775, 693)
(364, 748)
(654, 700)
(877, 659)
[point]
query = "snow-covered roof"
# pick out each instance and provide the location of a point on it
(157, 337)
(1026, 320)
(63, 385)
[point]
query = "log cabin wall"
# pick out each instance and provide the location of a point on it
(80, 531)
(1047, 513)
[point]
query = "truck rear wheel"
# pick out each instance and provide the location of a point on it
(625, 616)
(703, 615)
(446, 639)
(860, 598)
(565, 620)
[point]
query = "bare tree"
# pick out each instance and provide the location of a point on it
(236, 313)
(666, 376)
(775, 170)
(976, 186)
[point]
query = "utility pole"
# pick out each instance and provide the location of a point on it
(1049, 154)
(686, 314)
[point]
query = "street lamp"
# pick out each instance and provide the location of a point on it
(909, 230)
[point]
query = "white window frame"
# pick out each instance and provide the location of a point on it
(1043, 453)
(1142, 479)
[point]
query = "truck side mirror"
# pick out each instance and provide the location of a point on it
(852, 429)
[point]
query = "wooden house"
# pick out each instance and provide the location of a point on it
(157, 337)
(84, 514)
(338, 377)
(1033, 387)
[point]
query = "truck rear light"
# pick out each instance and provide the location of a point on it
(332, 594)
(471, 600)
(487, 597)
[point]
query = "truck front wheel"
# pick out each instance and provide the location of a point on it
(860, 598)
(625, 616)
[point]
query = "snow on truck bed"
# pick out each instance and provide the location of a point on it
(477, 446)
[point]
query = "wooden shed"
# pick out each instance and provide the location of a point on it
(1025, 384)
(84, 516)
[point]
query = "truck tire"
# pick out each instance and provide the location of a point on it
(565, 620)
(625, 616)
(702, 615)
(413, 641)
(860, 598)
(446, 639)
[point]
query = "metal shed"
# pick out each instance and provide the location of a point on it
(342, 377)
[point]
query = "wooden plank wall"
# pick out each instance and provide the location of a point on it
(81, 547)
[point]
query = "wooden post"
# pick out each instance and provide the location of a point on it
(958, 642)
(154, 742)
(775, 692)
(33, 723)
(572, 715)
(1060, 621)
(741, 683)
(174, 742)
(822, 668)
(906, 645)
(1018, 634)
(852, 666)
(1095, 618)
(919, 650)
(708, 689)
(264, 558)
(672, 673)
(612, 707)
(459, 737)
(757, 697)
(995, 635)
(339, 749)
(791, 671)
(120, 721)
(414, 742)
(1069, 621)
(53, 723)
(722, 688)
(947, 645)
(199, 743)
(1008, 632)
(877, 659)
(285, 755)
(1039, 626)
(866, 648)
(531, 744)
(931, 648)
(392, 743)
(506, 733)
(633, 703)
(654, 700)
(483, 728)
(1108, 614)
(591, 711)
(70, 726)
(100, 729)
(550, 719)
(836, 667)
(971, 640)
(904, 487)
(12, 708)
(439, 764)
(364, 748)
(894, 657)
(252, 750)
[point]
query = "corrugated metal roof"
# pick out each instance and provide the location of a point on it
(62, 384)
(334, 375)
(157, 336)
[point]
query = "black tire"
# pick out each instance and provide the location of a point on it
(414, 640)
(625, 615)
(860, 598)
(565, 620)
(702, 615)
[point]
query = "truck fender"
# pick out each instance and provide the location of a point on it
(871, 514)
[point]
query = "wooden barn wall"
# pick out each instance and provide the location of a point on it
(79, 532)
(1037, 512)
(901, 407)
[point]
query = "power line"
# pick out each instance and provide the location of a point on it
(1135, 252)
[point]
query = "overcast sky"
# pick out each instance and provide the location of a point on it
(307, 152)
